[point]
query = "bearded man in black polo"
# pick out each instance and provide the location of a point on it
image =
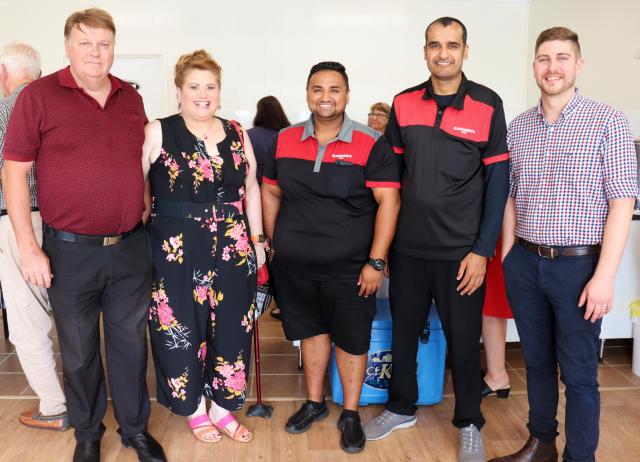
(330, 203)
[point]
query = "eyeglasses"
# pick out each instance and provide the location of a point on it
(377, 115)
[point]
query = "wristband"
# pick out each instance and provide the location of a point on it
(259, 239)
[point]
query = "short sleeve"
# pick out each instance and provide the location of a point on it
(382, 169)
(393, 133)
(22, 141)
(270, 175)
(620, 171)
(496, 148)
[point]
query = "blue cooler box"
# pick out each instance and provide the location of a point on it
(431, 355)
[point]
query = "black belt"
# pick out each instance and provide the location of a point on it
(552, 252)
(4, 212)
(91, 240)
(193, 209)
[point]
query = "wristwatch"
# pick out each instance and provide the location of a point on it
(377, 263)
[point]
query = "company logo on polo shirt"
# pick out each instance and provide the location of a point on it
(341, 156)
(378, 374)
(464, 130)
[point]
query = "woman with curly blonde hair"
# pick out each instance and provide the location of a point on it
(206, 234)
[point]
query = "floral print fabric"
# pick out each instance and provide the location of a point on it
(203, 300)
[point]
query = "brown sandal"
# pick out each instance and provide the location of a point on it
(201, 426)
(241, 433)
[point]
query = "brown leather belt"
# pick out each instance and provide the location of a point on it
(552, 252)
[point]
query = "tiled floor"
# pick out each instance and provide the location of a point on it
(282, 380)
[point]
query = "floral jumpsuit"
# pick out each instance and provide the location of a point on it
(203, 300)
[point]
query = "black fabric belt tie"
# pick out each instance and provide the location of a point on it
(107, 240)
(4, 212)
(552, 252)
(195, 209)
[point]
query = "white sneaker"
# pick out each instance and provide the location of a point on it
(471, 445)
(385, 423)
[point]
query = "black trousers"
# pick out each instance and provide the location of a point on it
(413, 283)
(115, 281)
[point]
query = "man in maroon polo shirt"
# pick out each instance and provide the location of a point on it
(84, 130)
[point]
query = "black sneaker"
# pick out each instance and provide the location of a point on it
(301, 421)
(352, 437)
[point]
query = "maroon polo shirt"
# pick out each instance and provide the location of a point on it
(88, 158)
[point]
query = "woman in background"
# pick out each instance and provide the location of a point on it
(495, 313)
(269, 120)
(379, 116)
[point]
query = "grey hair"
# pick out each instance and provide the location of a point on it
(22, 59)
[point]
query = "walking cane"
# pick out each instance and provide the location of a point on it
(263, 300)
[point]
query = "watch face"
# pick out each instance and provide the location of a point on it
(377, 264)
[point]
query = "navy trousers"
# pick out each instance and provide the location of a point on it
(544, 295)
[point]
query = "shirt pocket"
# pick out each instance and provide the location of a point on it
(458, 165)
(344, 180)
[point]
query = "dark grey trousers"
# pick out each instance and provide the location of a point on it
(115, 281)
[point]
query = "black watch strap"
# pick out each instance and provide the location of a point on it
(377, 264)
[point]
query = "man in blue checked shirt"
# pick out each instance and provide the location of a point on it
(573, 183)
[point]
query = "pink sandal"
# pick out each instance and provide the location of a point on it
(241, 433)
(203, 429)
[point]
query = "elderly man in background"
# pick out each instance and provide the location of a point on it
(27, 306)
(84, 129)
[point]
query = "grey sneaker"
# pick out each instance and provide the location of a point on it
(385, 423)
(471, 445)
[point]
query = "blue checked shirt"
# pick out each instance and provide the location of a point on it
(563, 174)
(6, 106)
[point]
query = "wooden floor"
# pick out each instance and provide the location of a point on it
(432, 439)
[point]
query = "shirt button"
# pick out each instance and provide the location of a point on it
(439, 112)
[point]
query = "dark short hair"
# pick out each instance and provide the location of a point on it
(270, 114)
(329, 66)
(446, 21)
(558, 33)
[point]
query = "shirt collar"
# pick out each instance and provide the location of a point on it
(16, 91)
(345, 134)
(458, 101)
(571, 106)
(65, 78)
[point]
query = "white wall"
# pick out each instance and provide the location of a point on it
(267, 47)
(609, 34)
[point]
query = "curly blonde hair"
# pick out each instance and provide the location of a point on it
(199, 59)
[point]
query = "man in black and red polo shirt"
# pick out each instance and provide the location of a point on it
(84, 129)
(451, 135)
(330, 203)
